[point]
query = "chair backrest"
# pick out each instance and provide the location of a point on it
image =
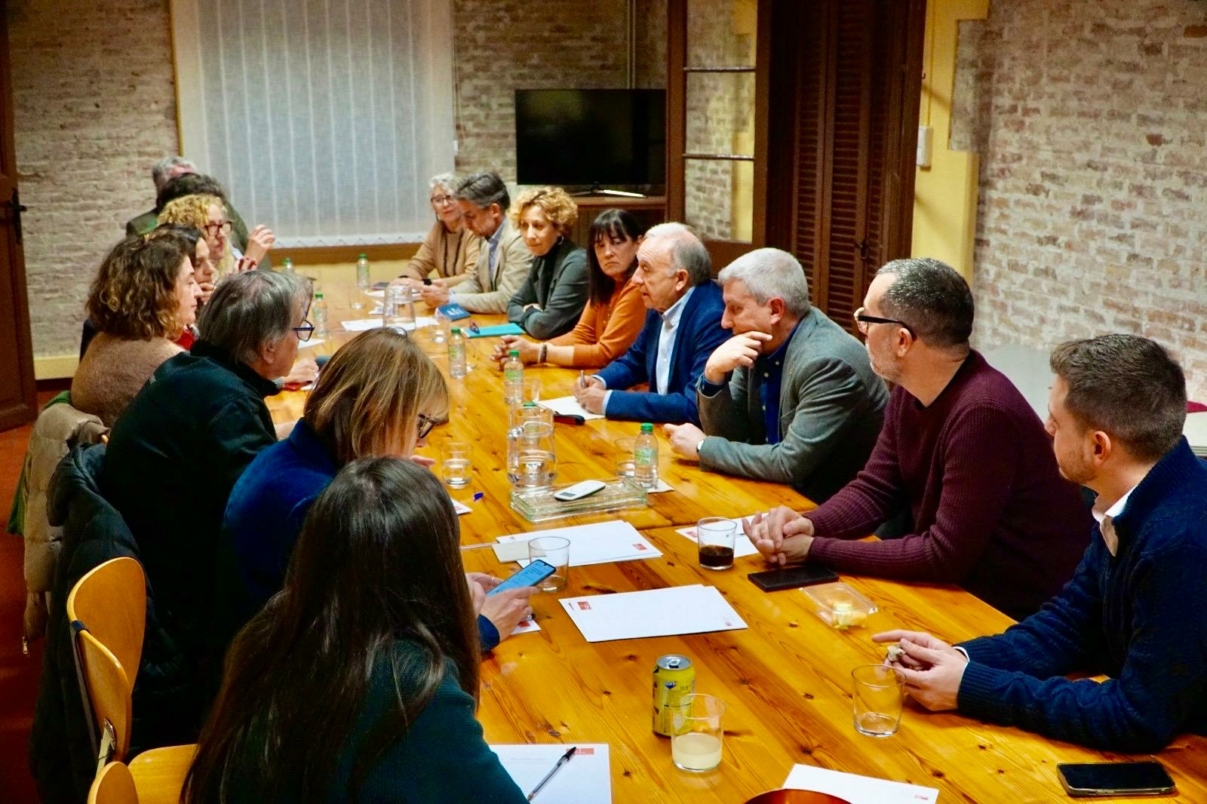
(108, 612)
(113, 785)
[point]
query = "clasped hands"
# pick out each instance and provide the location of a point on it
(528, 350)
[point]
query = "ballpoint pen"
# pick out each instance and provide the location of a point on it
(582, 379)
(473, 327)
(565, 758)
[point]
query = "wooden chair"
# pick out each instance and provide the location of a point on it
(108, 612)
(153, 777)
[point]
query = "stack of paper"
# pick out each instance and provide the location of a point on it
(857, 789)
(601, 543)
(742, 545)
(568, 406)
(585, 779)
(362, 324)
(655, 612)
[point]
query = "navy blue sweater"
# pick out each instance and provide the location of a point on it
(263, 520)
(1135, 617)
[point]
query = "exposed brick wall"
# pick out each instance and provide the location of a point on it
(504, 45)
(94, 107)
(651, 44)
(1094, 174)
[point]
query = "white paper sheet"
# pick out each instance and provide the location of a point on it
(600, 543)
(661, 487)
(376, 294)
(461, 508)
(857, 789)
(654, 612)
(568, 406)
(362, 324)
(585, 779)
(526, 627)
(742, 546)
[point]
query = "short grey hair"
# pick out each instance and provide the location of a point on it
(483, 189)
(252, 309)
(1127, 386)
(687, 251)
(931, 298)
(161, 169)
(445, 181)
(770, 273)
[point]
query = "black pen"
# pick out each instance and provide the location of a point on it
(565, 758)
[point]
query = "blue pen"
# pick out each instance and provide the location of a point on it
(473, 327)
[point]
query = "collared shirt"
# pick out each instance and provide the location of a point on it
(493, 255)
(666, 342)
(1106, 521)
(771, 367)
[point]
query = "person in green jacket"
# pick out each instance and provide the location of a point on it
(359, 680)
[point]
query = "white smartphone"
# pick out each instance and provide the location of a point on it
(579, 490)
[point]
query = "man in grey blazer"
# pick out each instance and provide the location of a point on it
(791, 397)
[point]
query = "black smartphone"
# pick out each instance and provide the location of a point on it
(792, 577)
(1115, 779)
(534, 573)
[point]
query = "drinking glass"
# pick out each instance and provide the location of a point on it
(440, 332)
(716, 538)
(878, 695)
(698, 728)
(532, 390)
(555, 551)
(455, 463)
(398, 308)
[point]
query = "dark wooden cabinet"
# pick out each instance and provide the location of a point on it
(648, 210)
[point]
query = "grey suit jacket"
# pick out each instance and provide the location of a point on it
(831, 410)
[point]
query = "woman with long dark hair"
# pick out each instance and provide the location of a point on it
(359, 680)
(614, 313)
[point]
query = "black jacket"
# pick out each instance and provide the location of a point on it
(173, 457)
(61, 751)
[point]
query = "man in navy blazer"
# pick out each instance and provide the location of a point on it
(682, 328)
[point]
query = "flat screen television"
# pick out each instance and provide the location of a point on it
(590, 137)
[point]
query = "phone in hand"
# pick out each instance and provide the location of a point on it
(534, 573)
(792, 577)
(1115, 779)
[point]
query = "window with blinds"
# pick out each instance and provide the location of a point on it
(324, 119)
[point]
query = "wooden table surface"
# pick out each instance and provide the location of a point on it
(786, 678)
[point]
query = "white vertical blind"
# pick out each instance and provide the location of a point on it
(323, 118)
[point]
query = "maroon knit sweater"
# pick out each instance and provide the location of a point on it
(990, 510)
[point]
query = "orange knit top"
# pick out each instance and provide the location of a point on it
(605, 332)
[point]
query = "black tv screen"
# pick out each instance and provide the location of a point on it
(590, 136)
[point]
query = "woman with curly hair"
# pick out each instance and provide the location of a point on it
(143, 298)
(551, 299)
(207, 213)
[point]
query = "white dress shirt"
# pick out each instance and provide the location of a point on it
(666, 347)
(1106, 521)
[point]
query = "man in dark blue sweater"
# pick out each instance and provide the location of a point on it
(1133, 609)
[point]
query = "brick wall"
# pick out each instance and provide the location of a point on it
(1093, 178)
(94, 107)
(504, 45)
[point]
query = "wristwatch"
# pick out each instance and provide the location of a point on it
(699, 444)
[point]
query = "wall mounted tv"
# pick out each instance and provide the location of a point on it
(591, 137)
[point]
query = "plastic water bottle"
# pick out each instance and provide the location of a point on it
(362, 273)
(456, 354)
(318, 312)
(645, 457)
(287, 265)
(513, 379)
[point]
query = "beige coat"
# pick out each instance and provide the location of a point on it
(484, 293)
(114, 370)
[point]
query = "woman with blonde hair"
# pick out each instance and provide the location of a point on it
(552, 297)
(450, 249)
(144, 297)
(207, 213)
(379, 395)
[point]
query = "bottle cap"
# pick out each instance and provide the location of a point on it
(361, 257)
(318, 296)
(514, 353)
(456, 330)
(646, 427)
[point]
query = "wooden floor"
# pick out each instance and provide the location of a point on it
(18, 673)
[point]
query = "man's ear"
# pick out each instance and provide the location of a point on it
(1102, 446)
(777, 308)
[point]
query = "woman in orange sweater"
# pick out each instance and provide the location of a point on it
(614, 313)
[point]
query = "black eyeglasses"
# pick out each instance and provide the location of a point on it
(862, 321)
(305, 331)
(212, 229)
(426, 423)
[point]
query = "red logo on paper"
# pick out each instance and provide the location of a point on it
(640, 547)
(585, 752)
(584, 605)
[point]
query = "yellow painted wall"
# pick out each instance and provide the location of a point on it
(945, 194)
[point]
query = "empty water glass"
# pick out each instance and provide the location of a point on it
(455, 464)
(398, 308)
(554, 551)
(878, 695)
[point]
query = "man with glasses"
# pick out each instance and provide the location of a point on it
(176, 452)
(961, 452)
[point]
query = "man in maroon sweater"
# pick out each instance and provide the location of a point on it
(960, 447)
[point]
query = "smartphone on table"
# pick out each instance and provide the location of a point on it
(792, 577)
(1115, 779)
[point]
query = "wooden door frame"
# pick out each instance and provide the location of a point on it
(23, 406)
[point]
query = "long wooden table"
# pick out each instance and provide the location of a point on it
(786, 679)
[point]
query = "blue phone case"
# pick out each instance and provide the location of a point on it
(453, 311)
(531, 575)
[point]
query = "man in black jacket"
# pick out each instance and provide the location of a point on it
(178, 449)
